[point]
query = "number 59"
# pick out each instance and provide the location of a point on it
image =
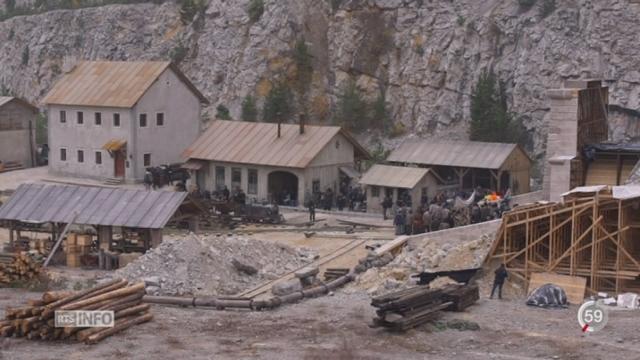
(593, 315)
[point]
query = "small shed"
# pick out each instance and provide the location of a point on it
(609, 164)
(115, 214)
(465, 165)
(398, 182)
(17, 133)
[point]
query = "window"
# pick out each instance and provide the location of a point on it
(80, 118)
(337, 144)
(80, 156)
(63, 154)
(98, 157)
(97, 118)
(143, 120)
(116, 120)
(63, 116)
(253, 182)
(315, 186)
(236, 178)
(375, 191)
(220, 177)
(160, 119)
(146, 160)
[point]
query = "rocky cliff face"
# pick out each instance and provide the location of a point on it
(424, 54)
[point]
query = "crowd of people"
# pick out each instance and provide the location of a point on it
(446, 210)
(350, 198)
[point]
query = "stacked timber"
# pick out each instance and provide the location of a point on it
(406, 309)
(334, 273)
(20, 267)
(35, 321)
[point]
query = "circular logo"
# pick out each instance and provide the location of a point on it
(592, 316)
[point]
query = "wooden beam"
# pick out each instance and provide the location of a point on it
(574, 244)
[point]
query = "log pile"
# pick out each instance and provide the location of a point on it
(334, 273)
(20, 267)
(405, 309)
(35, 321)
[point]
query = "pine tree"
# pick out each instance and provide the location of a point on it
(380, 117)
(352, 108)
(249, 109)
(276, 105)
(490, 119)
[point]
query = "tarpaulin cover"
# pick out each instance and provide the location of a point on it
(548, 295)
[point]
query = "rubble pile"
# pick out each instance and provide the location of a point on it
(418, 256)
(213, 265)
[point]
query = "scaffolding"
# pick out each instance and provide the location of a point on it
(593, 234)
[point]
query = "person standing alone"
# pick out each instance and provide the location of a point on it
(498, 281)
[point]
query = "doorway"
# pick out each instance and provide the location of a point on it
(283, 188)
(118, 162)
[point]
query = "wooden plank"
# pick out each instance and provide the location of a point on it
(574, 286)
(392, 245)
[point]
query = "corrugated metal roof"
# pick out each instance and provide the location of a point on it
(393, 176)
(110, 83)
(258, 144)
(42, 203)
(469, 154)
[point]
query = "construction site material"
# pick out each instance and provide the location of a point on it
(460, 276)
(408, 308)
(548, 296)
(573, 286)
(192, 265)
(222, 303)
(334, 273)
(36, 322)
(591, 235)
(307, 275)
(20, 267)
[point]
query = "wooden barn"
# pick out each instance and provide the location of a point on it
(17, 133)
(610, 164)
(274, 162)
(465, 165)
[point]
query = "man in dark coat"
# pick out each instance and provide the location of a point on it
(387, 203)
(311, 205)
(498, 281)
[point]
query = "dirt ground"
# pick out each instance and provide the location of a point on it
(336, 327)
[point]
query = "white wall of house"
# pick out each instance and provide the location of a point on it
(262, 194)
(181, 109)
(15, 144)
(168, 96)
(87, 137)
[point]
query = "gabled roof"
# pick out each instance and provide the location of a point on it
(258, 144)
(468, 154)
(7, 99)
(394, 176)
(93, 205)
(118, 84)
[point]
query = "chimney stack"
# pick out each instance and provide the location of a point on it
(302, 121)
(279, 117)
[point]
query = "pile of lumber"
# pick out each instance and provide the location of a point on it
(405, 309)
(334, 273)
(20, 267)
(35, 321)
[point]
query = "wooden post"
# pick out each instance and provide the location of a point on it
(618, 169)
(620, 222)
(57, 244)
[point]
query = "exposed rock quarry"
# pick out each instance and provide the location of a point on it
(425, 54)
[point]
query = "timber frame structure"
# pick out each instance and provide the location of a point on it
(592, 235)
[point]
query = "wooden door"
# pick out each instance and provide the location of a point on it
(119, 164)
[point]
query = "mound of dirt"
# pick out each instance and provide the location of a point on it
(213, 265)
